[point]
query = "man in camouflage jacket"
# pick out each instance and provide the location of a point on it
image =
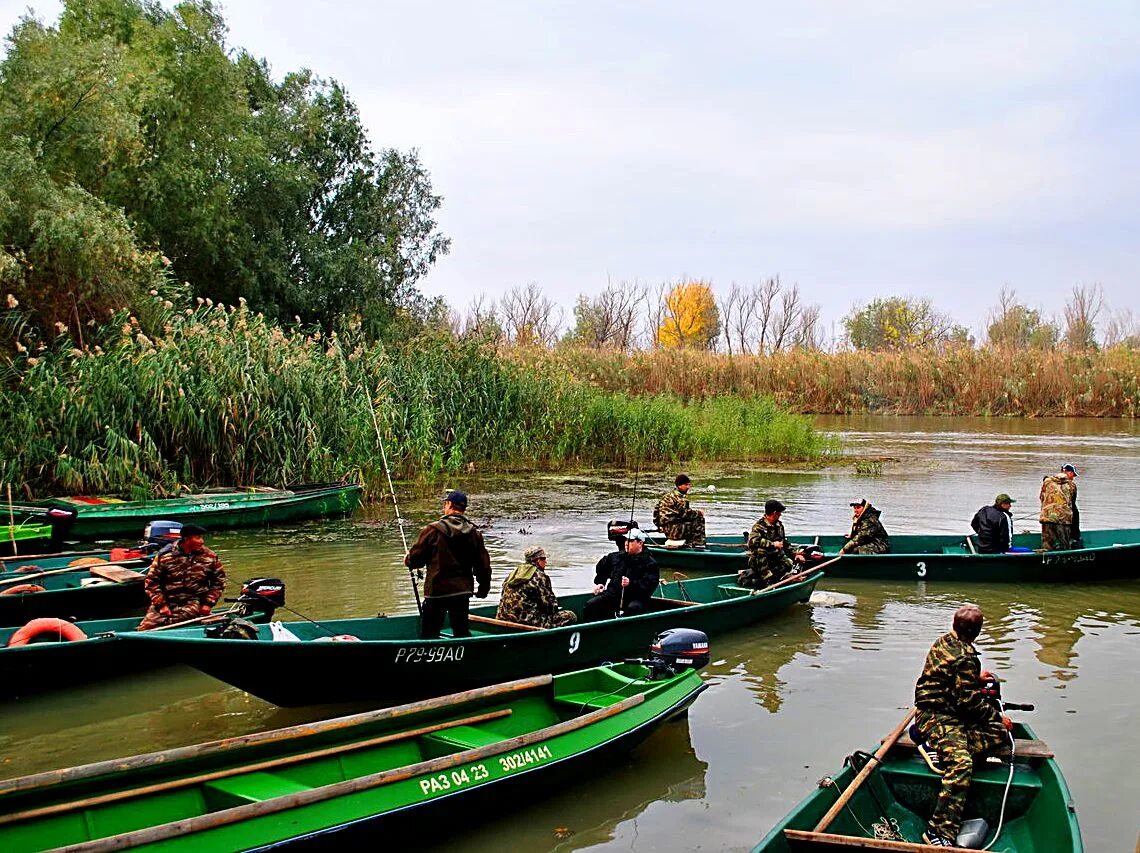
(185, 581)
(770, 554)
(675, 518)
(528, 597)
(1058, 496)
(867, 536)
(956, 719)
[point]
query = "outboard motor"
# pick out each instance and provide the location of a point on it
(812, 554)
(616, 531)
(161, 532)
(61, 519)
(260, 595)
(677, 649)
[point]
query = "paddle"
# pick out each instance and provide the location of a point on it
(487, 620)
(26, 576)
(826, 820)
(799, 576)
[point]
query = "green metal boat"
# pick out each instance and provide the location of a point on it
(1105, 555)
(385, 660)
(104, 518)
(353, 782)
(898, 796)
(24, 538)
(73, 593)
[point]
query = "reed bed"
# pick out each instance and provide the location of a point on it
(223, 396)
(965, 381)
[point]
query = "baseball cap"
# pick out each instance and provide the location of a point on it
(1069, 467)
(860, 502)
(192, 530)
(635, 535)
(772, 505)
(1003, 498)
(457, 499)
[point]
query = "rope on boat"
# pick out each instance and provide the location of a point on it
(1005, 796)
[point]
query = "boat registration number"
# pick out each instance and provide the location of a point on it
(429, 654)
(475, 773)
(210, 506)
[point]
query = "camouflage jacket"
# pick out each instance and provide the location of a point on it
(1058, 494)
(452, 549)
(760, 541)
(530, 601)
(176, 578)
(951, 682)
(868, 533)
(671, 511)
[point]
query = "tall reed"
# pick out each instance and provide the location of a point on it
(224, 396)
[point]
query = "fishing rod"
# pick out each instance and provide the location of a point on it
(395, 505)
(636, 473)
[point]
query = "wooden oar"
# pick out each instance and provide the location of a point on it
(970, 545)
(502, 623)
(26, 576)
(229, 816)
(209, 617)
(187, 781)
(826, 820)
(799, 576)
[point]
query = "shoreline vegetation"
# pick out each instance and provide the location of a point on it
(225, 396)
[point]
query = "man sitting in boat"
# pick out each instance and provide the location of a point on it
(1058, 495)
(184, 582)
(956, 719)
(676, 519)
(632, 581)
(867, 536)
(994, 526)
(771, 556)
(528, 597)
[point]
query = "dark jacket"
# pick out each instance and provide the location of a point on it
(641, 569)
(452, 549)
(605, 567)
(951, 682)
(994, 527)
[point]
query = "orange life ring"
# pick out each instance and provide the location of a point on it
(59, 630)
(30, 567)
(22, 588)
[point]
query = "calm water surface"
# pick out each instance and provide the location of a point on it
(789, 698)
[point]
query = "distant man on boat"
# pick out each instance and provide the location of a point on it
(1074, 528)
(528, 596)
(994, 526)
(867, 536)
(771, 557)
(184, 581)
(675, 518)
(632, 581)
(453, 552)
(1058, 497)
(956, 720)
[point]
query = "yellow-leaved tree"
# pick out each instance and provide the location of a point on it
(690, 318)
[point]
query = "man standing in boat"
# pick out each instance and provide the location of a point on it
(528, 596)
(956, 719)
(867, 536)
(453, 552)
(632, 581)
(184, 582)
(994, 526)
(1058, 497)
(675, 518)
(771, 556)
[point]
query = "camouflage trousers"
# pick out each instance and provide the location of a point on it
(1056, 536)
(562, 617)
(877, 547)
(764, 573)
(957, 744)
(691, 528)
(178, 613)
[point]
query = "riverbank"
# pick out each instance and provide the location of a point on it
(955, 381)
(218, 396)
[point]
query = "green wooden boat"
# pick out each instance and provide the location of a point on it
(351, 782)
(24, 538)
(102, 518)
(48, 562)
(1106, 555)
(901, 791)
(390, 663)
(73, 593)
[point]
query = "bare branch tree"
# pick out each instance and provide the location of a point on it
(610, 319)
(787, 319)
(1122, 329)
(729, 306)
(529, 316)
(809, 334)
(1081, 312)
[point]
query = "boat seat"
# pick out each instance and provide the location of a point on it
(954, 549)
(249, 788)
(657, 604)
(1024, 748)
(465, 737)
(1024, 776)
(729, 590)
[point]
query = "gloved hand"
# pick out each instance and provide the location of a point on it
(483, 590)
(1007, 723)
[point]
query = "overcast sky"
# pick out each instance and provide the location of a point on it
(930, 149)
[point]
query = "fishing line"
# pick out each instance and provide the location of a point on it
(1005, 796)
(330, 631)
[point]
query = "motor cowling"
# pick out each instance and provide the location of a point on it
(261, 595)
(617, 530)
(680, 648)
(812, 554)
(160, 532)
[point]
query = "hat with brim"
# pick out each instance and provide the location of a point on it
(1003, 498)
(773, 505)
(192, 530)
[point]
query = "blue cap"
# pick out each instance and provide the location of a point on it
(457, 499)
(1068, 467)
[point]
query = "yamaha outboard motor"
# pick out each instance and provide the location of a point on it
(616, 531)
(677, 649)
(260, 595)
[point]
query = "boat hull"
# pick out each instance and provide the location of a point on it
(396, 667)
(1110, 555)
(72, 601)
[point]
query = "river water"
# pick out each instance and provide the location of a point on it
(788, 699)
